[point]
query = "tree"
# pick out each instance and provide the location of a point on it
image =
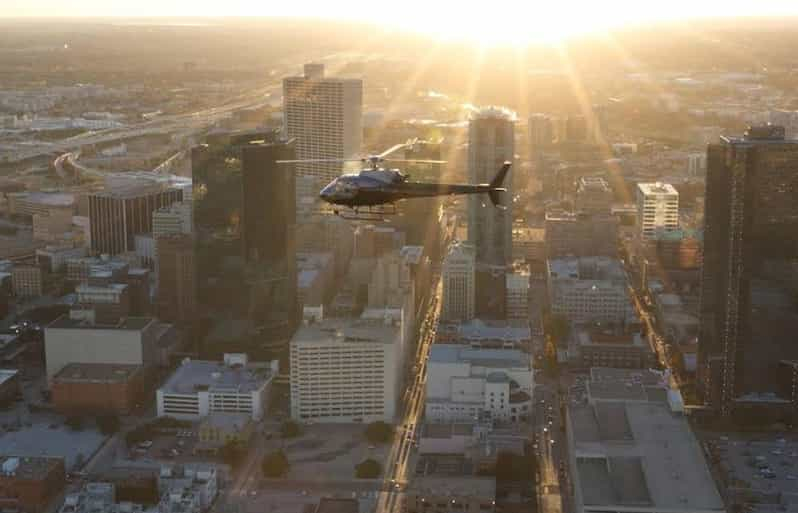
(368, 469)
(275, 464)
(557, 328)
(108, 424)
(232, 453)
(74, 423)
(379, 432)
(290, 429)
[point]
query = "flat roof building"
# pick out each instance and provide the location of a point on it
(589, 289)
(632, 448)
(198, 388)
(347, 370)
(467, 385)
(99, 388)
(29, 484)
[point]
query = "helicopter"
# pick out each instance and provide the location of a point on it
(371, 193)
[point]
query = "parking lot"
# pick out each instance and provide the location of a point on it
(764, 467)
(330, 452)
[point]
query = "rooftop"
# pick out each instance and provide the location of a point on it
(594, 268)
(460, 353)
(657, 188)
(493, 112)
(97, 372)
(6, 374)
(478, 329)
(450, 475)
(52, 199)
(28, 467)
(126, 323)
(658, 465)
(201, 375)
(330, 331)
(337, 505)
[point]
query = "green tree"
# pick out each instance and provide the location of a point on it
(368, 469)
(379, 432)
(275, 464)
(232, 453)
(74, 423)
(557, 327)
(290, 429)
(108, 424)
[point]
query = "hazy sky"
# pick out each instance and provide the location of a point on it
(486, 20)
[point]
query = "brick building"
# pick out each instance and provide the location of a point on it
(29, 484)
(99, 388)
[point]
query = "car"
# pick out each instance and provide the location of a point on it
(253, 493)
(372, 447)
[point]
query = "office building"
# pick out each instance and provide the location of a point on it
(199, 388)
(29, 204)
(53, 259)
(490, 296)
(748, 281)
(593, 195)
(27, 280)
(100, 389)
(459, 280)
(541, 131)
(450, 483)
(580, 235)
(517, 290)
(466, 384)
(177, 275)
(657, 209)
(347, 370)
(696, 164)
(324, 115)
(172, 219)
(490, 144)
(529, 244)
(629, 447)
(73, 340)
(244, 228)
(594, 347)
(589, 289)
(109, 302)
(29, 484)
(118, 214)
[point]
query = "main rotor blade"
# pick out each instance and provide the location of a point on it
(392, 149)
(416, 161)
(311, 161)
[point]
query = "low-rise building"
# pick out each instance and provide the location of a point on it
(54, 258)
(577, 234)
(489, 334)
(72, 339)
(593, 195)
(630, 447)
(347, 370)
(449, 483)
(99, 388)
(607, 348)
(199, 388)
(465, 384)
(589, 289)
(10, 389)
(29, 484)
(218, 429)
(199, 480)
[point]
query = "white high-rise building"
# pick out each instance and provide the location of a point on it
(459, 276)
(324, 115)
(347, 370)
(657, 209)
(490, 144)
(696, 164)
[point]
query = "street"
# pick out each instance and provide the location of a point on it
(396, 466)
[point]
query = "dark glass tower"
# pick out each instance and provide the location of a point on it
(749, 283)
(244, 223)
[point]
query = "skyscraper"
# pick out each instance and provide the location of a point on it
(177, 276)
(324, 116)
(244, 228)
(490, 144)
(458, 275)
(118, 214)
(749, 277)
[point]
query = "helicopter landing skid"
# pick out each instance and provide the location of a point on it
(375, 213)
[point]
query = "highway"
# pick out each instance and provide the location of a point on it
(396, 466)
(188, 122)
